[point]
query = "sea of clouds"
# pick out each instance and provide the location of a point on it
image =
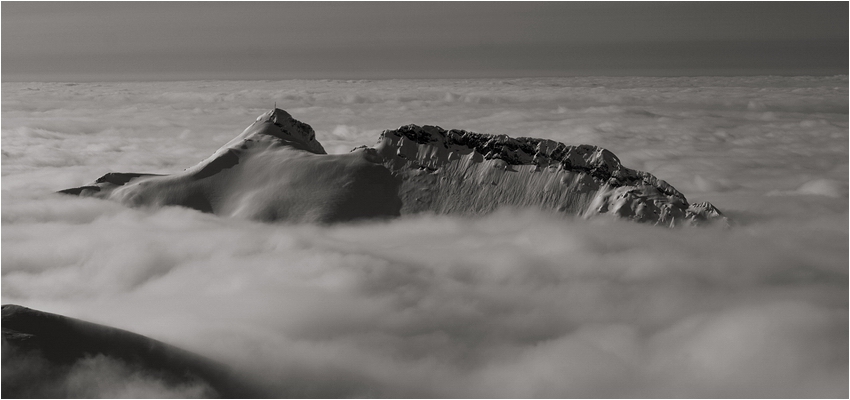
(520, 303)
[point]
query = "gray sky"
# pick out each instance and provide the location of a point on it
(279, 40)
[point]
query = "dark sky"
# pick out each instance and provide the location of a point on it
(279, 40)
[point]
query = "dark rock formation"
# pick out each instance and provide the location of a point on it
(40, 349)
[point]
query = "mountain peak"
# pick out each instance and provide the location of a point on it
(275, 115)
(280, 124)
(277, 170)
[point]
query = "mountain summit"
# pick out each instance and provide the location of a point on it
(277, 170)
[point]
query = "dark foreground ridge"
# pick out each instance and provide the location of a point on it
(41, 350)
(276, 170)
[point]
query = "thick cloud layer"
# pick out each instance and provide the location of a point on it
(520, 303)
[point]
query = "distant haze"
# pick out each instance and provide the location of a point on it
(45, 41)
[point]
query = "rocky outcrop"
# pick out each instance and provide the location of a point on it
(459, 171)
(276, 170)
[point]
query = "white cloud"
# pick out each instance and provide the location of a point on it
(817, 187)
(520, 303)
(29, 375)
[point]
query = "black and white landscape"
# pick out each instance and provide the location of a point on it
(323, 238)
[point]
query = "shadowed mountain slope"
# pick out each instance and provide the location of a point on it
(49, 355)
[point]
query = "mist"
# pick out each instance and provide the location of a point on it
(518, 303)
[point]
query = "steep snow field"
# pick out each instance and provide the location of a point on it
(519, 303)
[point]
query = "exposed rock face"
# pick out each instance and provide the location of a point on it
(41, 349)
(276, 170)
(459, 171)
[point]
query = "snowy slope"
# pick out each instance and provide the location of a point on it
(276, 170)
(44, 350)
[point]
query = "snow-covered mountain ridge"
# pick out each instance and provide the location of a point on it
(277, 170)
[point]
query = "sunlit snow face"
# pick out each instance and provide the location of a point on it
(519, 303)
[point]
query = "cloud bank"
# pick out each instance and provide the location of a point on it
(32, 376)
(519, 303)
